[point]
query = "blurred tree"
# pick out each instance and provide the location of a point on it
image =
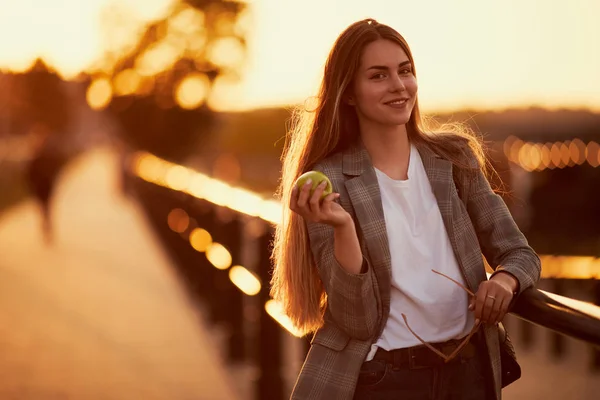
(38, 100)
(161, 82)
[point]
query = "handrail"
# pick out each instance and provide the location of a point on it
(574, 318)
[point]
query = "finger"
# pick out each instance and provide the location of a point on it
(502, 310)
(488, 308)
(315, 198)
(472, 300)
(328, 201)
(304, 194)
(495, 310)
(480, 301)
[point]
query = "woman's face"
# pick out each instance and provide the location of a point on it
(385, 89)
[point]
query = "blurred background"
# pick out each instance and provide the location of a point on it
(140, 145)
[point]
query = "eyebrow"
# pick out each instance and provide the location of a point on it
(383, 67)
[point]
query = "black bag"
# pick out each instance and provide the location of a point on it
(510, 368)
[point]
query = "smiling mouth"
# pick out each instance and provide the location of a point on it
(397, 102)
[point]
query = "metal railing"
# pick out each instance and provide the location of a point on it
(203, 222)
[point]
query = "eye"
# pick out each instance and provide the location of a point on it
(405, 71)
(378, 76)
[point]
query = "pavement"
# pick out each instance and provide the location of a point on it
(100, 314)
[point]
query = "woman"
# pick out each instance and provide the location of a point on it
(356, 266)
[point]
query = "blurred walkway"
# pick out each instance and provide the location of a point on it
(100, 315)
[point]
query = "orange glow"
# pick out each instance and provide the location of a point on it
(158, 58)
(514, 149)
(227, 167)
(271, 211)
(149, 167)
(99, 94)
(276, 33)
(192, 91)
(245, 280)
(592, 152)
(127, 82)
(244, 201)
(573, 267)
(565, 154)
(538, 157)
(588, 308)
(226, 52)
(577, 148)
(275, 310)
(177, 177)
(218, 256)
(198, 185)
(546, 159)
(556, 156)
(178, 220)
(525, 157)
(188, 21)
(570, 267)
(507, 146)
(200, 239)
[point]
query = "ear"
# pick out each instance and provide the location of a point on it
(348, 97)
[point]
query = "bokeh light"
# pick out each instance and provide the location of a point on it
(275, 310)
(200, 239)
(127, 82)
(99, 93)
(592, 152)
(245, 280)
(191, 92)
(177, 177)
(218, 256)
(178, 220)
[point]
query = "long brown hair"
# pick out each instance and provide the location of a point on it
(316, 134)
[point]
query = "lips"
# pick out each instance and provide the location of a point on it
(397, 101)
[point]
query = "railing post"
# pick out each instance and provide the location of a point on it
(212, 294)
(230, 234)
(270, 382)
(199, 271)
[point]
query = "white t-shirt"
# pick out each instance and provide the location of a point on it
(435, 307)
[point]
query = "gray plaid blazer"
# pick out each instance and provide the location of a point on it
(358, 305)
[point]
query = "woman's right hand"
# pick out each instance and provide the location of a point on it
(312, 208)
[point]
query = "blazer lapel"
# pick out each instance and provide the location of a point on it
(440, 174)
(363, 190)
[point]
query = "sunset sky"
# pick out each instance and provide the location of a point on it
(469, 53)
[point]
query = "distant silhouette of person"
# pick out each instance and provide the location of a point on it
(42, 173)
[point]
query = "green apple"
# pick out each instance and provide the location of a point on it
(316, 177)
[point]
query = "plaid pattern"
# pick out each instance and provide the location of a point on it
(358, 305)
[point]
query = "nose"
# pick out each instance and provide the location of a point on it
(397, 84)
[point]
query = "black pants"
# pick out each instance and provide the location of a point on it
(460, 379)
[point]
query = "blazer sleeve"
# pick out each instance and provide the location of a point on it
(502, 243)
(350, 297)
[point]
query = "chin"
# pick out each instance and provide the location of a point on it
(398, 119)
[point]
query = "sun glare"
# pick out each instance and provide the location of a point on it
(482, 55)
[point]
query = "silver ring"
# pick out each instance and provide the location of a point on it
(492, 297)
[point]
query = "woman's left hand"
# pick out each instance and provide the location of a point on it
(493, 297)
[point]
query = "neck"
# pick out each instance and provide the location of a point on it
(388, 147)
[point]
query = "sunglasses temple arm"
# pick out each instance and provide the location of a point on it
(464, 342)
(458, 283)
(436, 351)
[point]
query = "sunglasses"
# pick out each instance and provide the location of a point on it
(446, 358)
